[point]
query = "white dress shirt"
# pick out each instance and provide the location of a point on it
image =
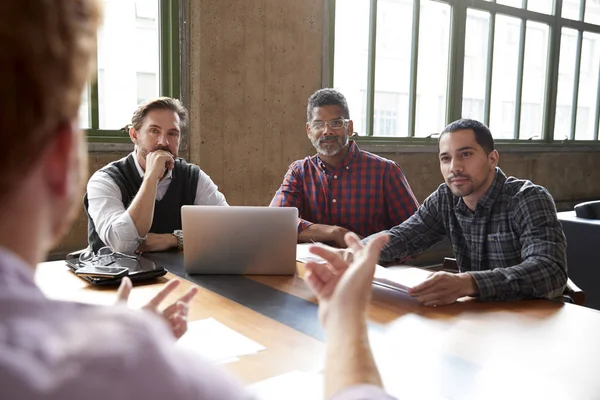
(114, 224)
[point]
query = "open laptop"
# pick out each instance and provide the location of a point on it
(239, 240)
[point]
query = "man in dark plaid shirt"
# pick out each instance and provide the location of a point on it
(504, 231)
(342, 188)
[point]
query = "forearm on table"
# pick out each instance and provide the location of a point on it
(536, 277)
(317, 233)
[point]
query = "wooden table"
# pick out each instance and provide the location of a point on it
(470, 350)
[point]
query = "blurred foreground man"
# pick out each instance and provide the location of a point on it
(63, 350)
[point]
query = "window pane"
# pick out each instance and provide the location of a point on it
(504, 76)
(566, 80)
(512, 3)
(588, 86)
(390, 113)
(534, 80)
(432, 80)
(592, 12)
(392, 67)
(147, 86)
(84, 110)
(570, 9)
(476, 54)
(351, 56)
(128, 45)
(541, 6)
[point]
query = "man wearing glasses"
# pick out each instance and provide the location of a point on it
(342, 188)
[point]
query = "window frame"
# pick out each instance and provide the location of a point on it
(454, 90)
(169, 73)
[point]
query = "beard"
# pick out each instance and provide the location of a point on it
(463, 190)
(330, 145)
(144, 151)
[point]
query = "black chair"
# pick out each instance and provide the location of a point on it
(588, 210)
(583, 248)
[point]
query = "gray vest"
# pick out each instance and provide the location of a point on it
(167, 211)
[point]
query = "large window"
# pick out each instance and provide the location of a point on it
(137, 59)
(527, 69)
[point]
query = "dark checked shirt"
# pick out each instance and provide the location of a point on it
(512, 245)
(364, 193)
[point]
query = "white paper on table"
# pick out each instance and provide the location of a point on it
(217, 342)
(400, 278)
(303, 255)
(294, 385)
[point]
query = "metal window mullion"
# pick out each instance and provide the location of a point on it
(372, 53)
(94, 101)
(576, 85)
(329, 44)
(597, 120)
(552, 73)
(456, 63)
(489, 69)
(168, 46)
(520, 69)
(414, 64)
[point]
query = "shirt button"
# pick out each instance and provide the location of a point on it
(335, 177)
(347, 167)
(334, 200)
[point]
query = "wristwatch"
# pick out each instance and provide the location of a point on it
(178, 233)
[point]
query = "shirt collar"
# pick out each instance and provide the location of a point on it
(353, 151)
(169, 174)
(490, 196)
(15, 273)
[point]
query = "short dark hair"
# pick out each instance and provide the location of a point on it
(483, 136)
(160, 103)
(326, 97)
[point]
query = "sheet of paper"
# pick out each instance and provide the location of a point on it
(400, 278)
(294, 385)
(303, 255)
(217, 342)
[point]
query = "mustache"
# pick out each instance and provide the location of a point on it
(453, 176)
(327, 139)
(163, 148)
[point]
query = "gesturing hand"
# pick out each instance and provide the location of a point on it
(343, 288)
(175, 314)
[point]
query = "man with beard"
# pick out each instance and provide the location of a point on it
(504, 231)
(342, 188)
(134, 204)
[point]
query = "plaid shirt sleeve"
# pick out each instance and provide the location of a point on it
(400, 201)
(291, 194)
(415, 235)
(543, 271)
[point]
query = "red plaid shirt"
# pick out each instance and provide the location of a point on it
(364, 193)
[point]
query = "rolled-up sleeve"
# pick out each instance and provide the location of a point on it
(363, 392)
(290, 194)
(113, 223)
